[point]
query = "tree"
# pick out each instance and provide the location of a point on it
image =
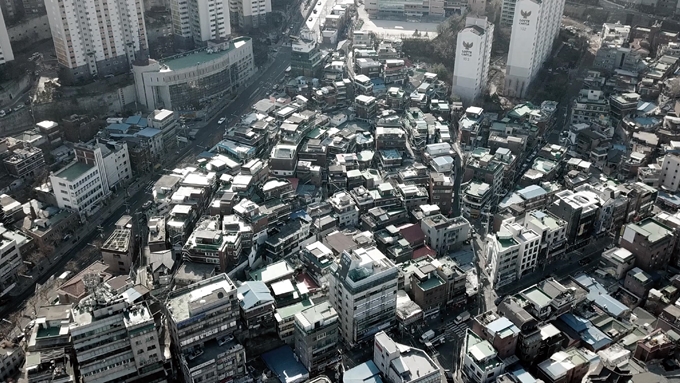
(441, 72)
(673, 88)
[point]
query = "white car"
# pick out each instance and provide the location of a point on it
(221, 120)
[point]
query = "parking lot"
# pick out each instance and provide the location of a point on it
(396, 28)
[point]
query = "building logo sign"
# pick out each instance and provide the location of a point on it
(524, 21)
(466, 52)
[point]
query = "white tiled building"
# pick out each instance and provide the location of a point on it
(97, 38)
(115, 340)
(200, 20)
(6, 53)
(363, 290)
(78, 186)
(10, 262)
(670, 178)
(534, 28)
(481, 363)
(98, 168)
(473, 54)
(400, 363)
(511, 252)
(201, 317)
(345, 209)
(249, 13)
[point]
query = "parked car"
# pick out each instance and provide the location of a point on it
(221, 121)
(147, 205)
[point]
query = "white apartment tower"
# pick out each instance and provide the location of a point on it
(113, 339)
(10, 263)
(670, 178)
(534, 28)
(6, 54)
(473, 54)
(97, 38)
(249, 13)
(198, 21)
(511, 253)
(363, 291)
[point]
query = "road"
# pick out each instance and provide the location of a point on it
(207, 137)
(212, 132)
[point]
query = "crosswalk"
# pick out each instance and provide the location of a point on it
(453, 330)
(149, 187)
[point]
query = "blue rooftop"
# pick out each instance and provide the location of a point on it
(137, 120)
(671, 199)
(364, 373)
(577, 324)
(523, 376)
(148, 132)
(283, 364)
(123, 128)
(254, 293)
(531, 191)
(595, 338)
(609, 304)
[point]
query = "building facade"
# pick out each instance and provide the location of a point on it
(316, 337)
(201, 318)
(6, 53)
(670, 179)
(88, 46)
(79, 186)
(473, 55)
(249, 13)
(114, 340)
(25, 163)
(534, 28)
(118, 251)
(10, 262)
(190, 81)
(198, 21)
(363, 291)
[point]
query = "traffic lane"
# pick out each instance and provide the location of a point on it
(203, 137)
(60, 265)
(253, 91)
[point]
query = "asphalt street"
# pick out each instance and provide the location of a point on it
(211, 133)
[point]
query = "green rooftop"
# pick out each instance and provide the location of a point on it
(537, 296)
(431, 283)
(201, 57)
(507, 242)
(73, 171)
(653, 230)
(289, 311)
(47, 332)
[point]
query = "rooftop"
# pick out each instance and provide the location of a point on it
(187, 302)
(201, 57)
(73, 171)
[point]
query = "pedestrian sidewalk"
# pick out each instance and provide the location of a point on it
(46, 265)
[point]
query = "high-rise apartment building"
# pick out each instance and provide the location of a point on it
(507, 13)
(249, 13)
(114, 340)
(97, 38)
(201, 319)
(198, 21)
(10, 262)
(473, 54)
(670, 179)
(363, 291)
(534, 28)
(6, 54)
(512, 253)
(316, 337)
